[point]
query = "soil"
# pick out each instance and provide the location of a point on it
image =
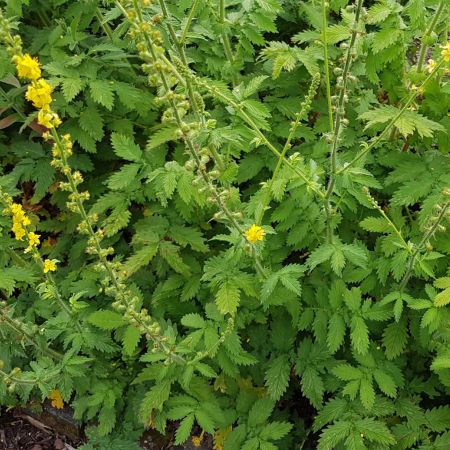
(52, 429)
(21, 431)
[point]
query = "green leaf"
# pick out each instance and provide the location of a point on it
(346, 372)
(443, 298)
(359, 335)
(334, 434)
(275, 430)
(336, 332)
(227, 297)
(102, 93)
(385, 382)
(124, 177)
(91, 121)
(260, 411)
(125, 147)
(154, 399)
(141, 257)
(367, 393)
(395, 338)
(312, 386)
(375, 431)
(106, 320)
(184, 429)
(162, 136)
(375, 224)
(438, 418)
(385, 38)
(131, 339)
(193, 321)
(277, 376)
(71, 87)
(320, 254)
(406, 123)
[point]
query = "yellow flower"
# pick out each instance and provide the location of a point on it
(48, 118)
(49, 266)
(19, 231)
(254, 234)
(39, 93)
(197, 440)
(431, 65)
(57, 401)
(16, 209)
(27, 67)
(33, 240)
(25, 221)
(446, 51)
(220, 436)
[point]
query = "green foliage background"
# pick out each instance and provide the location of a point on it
(331, 333)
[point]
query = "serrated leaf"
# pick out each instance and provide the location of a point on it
(277, 376)
(359, 335)
(227, 297)
(193, 321)
(184, 429)
(385, 382)
(102, 93)
(162, 136)
(367, 393)
(106, 320)
(131, 339)
(71, 87)
(125, 147)
(346, 372)
(336, 332)
(275, 430)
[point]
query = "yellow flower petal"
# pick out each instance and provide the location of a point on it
(27, 67)
(57, 401)
(39, 93)
(49, 266)
(254, 234)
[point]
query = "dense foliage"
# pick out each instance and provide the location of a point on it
(230, 218)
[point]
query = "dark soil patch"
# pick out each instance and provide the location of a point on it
(21, 431)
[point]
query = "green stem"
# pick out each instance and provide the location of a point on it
(182, 55)
(340, 113)
(99, 251)
(420, 246)
(17, 380)
(29, 338)
(189, 142)
(327, 69)
(188, 21)
(298, 117)
(226, 42)
(240, 111)
(105, 26)
(424, 46)
(375, 142)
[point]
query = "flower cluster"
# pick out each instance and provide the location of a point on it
(20, 226)
(27, 67)
(446, 52)
(39, 92)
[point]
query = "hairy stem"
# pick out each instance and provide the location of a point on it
(226, 42)
(327, 69)
(340, 114)
(429, 30)
(421, 245)
(187, 25)
(377, 140)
